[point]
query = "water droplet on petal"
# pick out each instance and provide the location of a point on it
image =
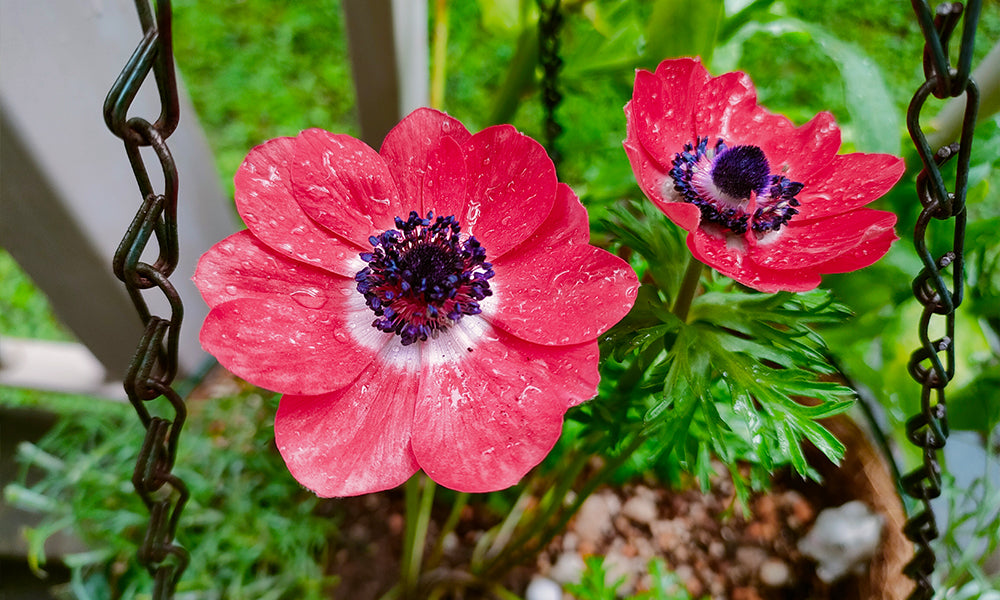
(310, 298)
(231, 290)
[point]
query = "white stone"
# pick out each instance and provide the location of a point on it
(542, 588)
(570, 541)
(750, 557)
(641, 509)
(775, 573)
(618, 566)
(843, 540)
(593, 521)
(569, 568)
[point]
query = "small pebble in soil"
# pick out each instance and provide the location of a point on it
(641, 508)
(843, 540)
(775, 573)
(594, 520)
(569, 568)
(542, 588)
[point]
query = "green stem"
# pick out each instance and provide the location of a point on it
(689, 285)
(392, 594)
(502, 593)
(489, 540)
(533, 539)
(440, 54)
(419, 499)
(461, 500)
(520, 77)
(550, 504)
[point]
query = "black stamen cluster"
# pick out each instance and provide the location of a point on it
(778, 206)
(421, 277)
(684, 163)
(737, 172)
(740, 171)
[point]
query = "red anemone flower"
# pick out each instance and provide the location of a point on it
(766, 203)
(433, 306)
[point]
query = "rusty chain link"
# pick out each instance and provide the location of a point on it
(154, 365)
(550, 21)
(929, 429)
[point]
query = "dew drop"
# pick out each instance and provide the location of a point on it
(231, 290)
(310, 298)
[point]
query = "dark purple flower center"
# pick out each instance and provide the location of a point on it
(734, 187)
(422, 277)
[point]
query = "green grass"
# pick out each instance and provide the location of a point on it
(259, 70)
(24, 310)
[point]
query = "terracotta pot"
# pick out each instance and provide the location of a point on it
(865, 475)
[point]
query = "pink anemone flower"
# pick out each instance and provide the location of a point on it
(434, 305)
(766, 203)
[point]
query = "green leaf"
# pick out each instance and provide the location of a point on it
(501, 17)
(611, 45)
(751, 12)
(875, 123)
(976, 407)
(683, 28)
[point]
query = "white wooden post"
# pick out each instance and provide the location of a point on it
(389, 57)
(68, 193)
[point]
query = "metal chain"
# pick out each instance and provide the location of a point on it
(154, 365)
(550, 21)
(929, 429)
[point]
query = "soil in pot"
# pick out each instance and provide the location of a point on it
(716, 552)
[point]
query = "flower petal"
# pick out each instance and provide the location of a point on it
(424, 155)
(558, 290)
(795, 257)
(686, 216)
(353, 441)
(728, 256)
(799, 152)
(649, 174)
(806, 244)
(724, 107)
(284, 346)
(565, 296)
(848, 182)
(241, 266)
(444, 184)
(662, 107)
(873, 247)
(512, 186)
(484, 419)
(345, 186)
(264, 200)
(567, 223)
